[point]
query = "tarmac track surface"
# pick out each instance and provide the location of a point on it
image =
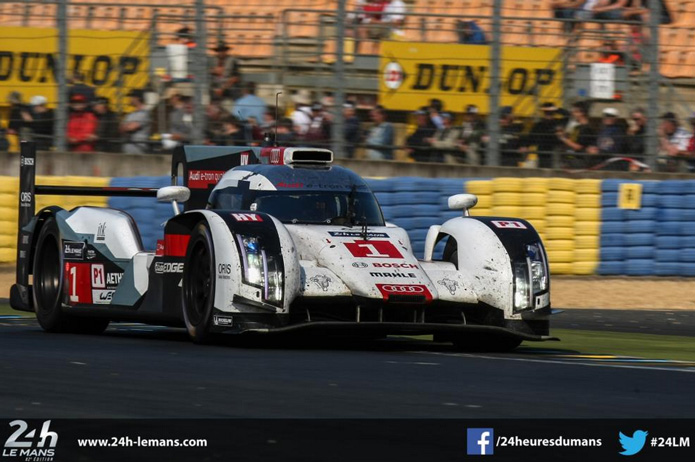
(151, 372)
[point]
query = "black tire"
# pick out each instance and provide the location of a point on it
(48, 287)
(481, 342)
(199, 284)
(48, 279)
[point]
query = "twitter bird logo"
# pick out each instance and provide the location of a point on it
(632, 446)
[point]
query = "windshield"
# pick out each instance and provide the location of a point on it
(343, 208)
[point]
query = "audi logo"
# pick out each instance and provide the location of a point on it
(359, 265)
(403, 289)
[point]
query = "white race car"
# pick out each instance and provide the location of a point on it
(275, 240)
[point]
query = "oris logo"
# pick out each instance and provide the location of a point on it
(394, 289)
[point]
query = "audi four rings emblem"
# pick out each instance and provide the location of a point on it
(403, 289)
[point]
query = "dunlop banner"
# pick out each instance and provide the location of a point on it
(412, 73)
(108, 60)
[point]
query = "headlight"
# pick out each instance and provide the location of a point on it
(522, 295)
(260, 269)
(539, 274)
(530, 277)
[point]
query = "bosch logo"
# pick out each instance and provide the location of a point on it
(396, 289)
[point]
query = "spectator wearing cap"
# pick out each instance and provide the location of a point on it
(181, 121)
(19, 122)
(445, 141)
(136, 125)
(79, 87)
(544, 136)
(381, 136)
(351, 129)
(470, 33)
(42, 120)
(581, 138)
(249, 105)
(611, 138)
(226, 78)
(82, 125)
(417, 146)
(637, 132)
(107, 126)
(673, 138)
(472, 130)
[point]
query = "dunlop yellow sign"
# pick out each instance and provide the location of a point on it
(108, 59)
(412, 73)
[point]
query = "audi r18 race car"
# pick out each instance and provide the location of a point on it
(277, 240)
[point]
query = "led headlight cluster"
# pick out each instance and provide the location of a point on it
(260, 269)
(530, 277)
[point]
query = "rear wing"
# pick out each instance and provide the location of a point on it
(28, 189)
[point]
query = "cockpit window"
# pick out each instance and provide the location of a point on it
(343, 208)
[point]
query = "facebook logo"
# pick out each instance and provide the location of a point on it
(480, 442)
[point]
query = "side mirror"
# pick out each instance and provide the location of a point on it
(174, 194)
(463, 202)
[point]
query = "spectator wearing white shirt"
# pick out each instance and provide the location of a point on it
(673, 141)
(394, 15)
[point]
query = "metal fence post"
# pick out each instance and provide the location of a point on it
(493, 118)
(652, 142)
(338, 132)
(61, 113)
(200, 73)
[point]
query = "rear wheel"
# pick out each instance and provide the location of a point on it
(199, 284)
(48, 287)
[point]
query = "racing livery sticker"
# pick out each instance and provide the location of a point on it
(388, 290)
(450, 285)
(373, 249)
(247, 217)
(393, 275)
(98, 278)
(322, 281)
(202, 179)
(77, 283)
(168, 267)
(73, 250)
(356, 234)
(509, 224)
(395, 265)
(102, 297)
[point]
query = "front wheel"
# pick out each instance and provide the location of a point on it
(199, 284)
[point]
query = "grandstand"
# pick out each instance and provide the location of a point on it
(255, 27)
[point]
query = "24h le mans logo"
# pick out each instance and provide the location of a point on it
(26, 445)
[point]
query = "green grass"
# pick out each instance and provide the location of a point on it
(6, 310)
(648, 346)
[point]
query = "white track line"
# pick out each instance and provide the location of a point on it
(546, 361)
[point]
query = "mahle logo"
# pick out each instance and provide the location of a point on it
(26, 445)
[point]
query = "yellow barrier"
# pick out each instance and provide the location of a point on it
(9, 201)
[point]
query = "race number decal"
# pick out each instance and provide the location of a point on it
(78, 282)
(373, 249)
(509, 224)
